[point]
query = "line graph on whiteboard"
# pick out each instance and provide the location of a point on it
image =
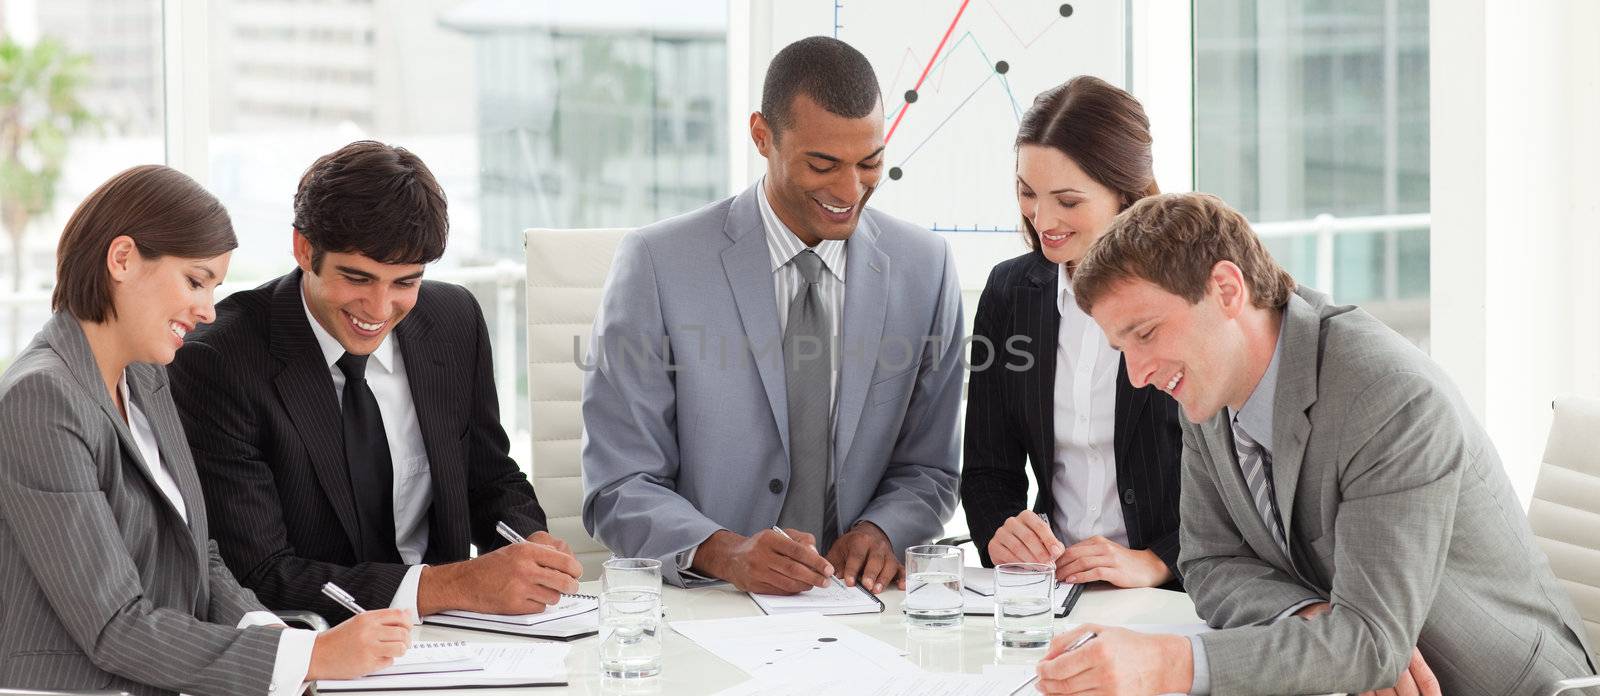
(956, 77)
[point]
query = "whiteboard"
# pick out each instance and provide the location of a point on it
(950, 164)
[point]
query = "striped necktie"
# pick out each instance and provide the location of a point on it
(1256, 465)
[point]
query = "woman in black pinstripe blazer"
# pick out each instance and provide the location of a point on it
(1046, 386)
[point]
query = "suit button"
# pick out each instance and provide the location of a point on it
(1127, 497)
(775, 486)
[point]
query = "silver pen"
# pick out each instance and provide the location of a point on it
(344, 599)
(510, 534)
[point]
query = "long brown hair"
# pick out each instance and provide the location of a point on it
(1102, 128)
(165, 212)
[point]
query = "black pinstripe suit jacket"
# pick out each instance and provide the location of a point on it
(263, 420)
(1011, 418)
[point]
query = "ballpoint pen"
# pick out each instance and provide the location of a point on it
(344, 599)
(510, 534)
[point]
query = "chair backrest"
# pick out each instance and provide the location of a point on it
(1565, 512)
(566, 275)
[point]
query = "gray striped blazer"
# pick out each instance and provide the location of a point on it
(102, 584)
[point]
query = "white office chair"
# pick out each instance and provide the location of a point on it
(566, 275)
(1565, 514)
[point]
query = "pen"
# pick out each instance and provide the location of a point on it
(344, 599)
(1075, 645)
(510, 534)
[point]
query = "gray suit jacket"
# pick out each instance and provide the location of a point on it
(102, 584)
(685, 407)
(1397, 511)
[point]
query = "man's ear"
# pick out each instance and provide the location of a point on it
(302, 252)
(762, 135)
(1227, 282)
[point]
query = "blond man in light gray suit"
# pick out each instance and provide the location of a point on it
(108, 577)
(1343, 514)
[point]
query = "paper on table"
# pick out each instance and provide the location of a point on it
(504, 664)
(569, 605)
(793, 643)
(423, 658)
(835, 599)
(977, 591)
(881, 684)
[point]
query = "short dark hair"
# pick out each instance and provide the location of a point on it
(829, 71)
(165, 212)
(1173, 241)
(373, 199)
(1102, 128)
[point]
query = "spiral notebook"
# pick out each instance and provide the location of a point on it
(498, 664)
(834, 600)
(574, 617)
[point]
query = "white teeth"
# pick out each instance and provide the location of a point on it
(177, 329)
(364, 326)
(1174, 382)
(1055, 237)
(832, 209)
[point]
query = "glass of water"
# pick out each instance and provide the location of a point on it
(1024, 604)
(630, 618)
(933, 586)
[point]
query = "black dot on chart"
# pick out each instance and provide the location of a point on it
(827, 640)
(1066, 10)
(1002, 67)
(911, 96)
(895, 173)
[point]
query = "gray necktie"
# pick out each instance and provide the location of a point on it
(1256, 464)
(807, 372)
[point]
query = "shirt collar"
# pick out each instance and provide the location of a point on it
(1256, 415)
(1065, 296)
(383, 356)
(784, 245)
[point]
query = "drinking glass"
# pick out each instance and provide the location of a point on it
(933, 586)
(630, 618)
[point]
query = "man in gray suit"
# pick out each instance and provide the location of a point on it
(1330, 470)
(786, 357)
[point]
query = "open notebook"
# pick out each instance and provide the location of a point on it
(491, 664)
(574, 617)
(834, 600)
(977, 588)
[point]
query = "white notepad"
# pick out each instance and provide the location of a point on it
(422, 658)
(834, 600)
(501, 664)
(570, 605)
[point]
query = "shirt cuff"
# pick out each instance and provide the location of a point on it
(685, 561)
(1286, 613)
(293, 660)
(1202, 668)
(406, 596)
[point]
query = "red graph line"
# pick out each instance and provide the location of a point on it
(926, 68)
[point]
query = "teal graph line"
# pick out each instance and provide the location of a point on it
(953, 113)
(1016, 109)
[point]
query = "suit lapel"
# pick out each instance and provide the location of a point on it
(425, 354)
(1036, 300)
(865, 304)
(147, 385)
(67, 337)
(1130, 406)
(305, 389)
(1296, 391)
(748, 264)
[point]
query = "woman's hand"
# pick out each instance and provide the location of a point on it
(1025, 538)
(1099, 558)
(366, 643)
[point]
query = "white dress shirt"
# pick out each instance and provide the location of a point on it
(787, 283)
(1084, 476)
(413, 481)
(293, 659)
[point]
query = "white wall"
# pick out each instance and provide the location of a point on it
(1515, 101)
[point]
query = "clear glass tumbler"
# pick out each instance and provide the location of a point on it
(630, 618)
(933, 586)
(1024, 604)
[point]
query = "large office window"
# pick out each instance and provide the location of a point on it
(80, 100)
(1308, 108)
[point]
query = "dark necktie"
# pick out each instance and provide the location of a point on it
(808, 367)
(366, 454)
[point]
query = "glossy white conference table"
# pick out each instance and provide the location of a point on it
(688, 669)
